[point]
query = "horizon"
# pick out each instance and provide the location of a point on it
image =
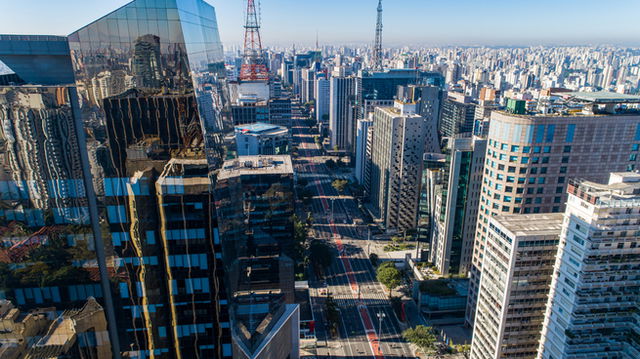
(461, 24)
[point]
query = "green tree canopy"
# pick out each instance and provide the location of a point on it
(390, 277)
(339, 185)
(422, 336)
(320, 253)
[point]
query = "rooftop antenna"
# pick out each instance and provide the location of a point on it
(377, 48)
(253, 66)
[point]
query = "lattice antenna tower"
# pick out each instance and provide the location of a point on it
(377, 47)
(253, 65)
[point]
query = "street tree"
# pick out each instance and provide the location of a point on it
(321, 254)
(422, 336)
(339, 185)
(390, 277)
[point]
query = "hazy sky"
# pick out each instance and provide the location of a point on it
(429, 22)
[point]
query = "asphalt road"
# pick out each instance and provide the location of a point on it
(369, 327)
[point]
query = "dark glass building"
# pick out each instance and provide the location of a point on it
(106, 184)
(254, 197)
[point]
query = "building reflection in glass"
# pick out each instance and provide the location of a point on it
(254, 197)
(47, 248)
(150, 78)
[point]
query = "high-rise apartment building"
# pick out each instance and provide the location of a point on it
(110, 199)
(255, 205)
(428, 102)
(518, 262)
(307, 92)
(592, 310)
(458, 114)
(396, 160)
(455, 207)
(530, 159)
(323, 99)
(342, 125)
(363, 162)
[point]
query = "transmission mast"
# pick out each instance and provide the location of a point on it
(253, 65)
(377, 48)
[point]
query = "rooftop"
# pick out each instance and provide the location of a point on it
(253, 165)
(623, 190)
(602, 97)
(259, 127)
(539, 224)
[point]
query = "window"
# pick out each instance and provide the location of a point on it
(540, 190)
(566, 149)
(515, 148)
(521, 180)
(505, 209)
(507, 198)
(545, 159)
(513, 158)
(500, 167)
(527, 201)
(561, 179)
(535, 160)
(632, 157)
(534, 170)
(543, 170)
(635, 147)
(500, 177)
(571, 130)
(498, 187)
(551, 130)
(536, 149)
(532, 180)
(541, 180)
(547, 149)
(519, 190)
(565, 159)
(511, 179)
(508, 189)
(518, 200)
(559, 189)
(511, 169)
(523, 170)
(503, 157)
(524, 160)
(555, 209)
(530, 190)
(526, 149)
(537, 200)
(557, 199)
(563, 169)
(536, 209)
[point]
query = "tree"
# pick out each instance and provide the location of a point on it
(330, 163)
(320, 253)
(333, 314)
(390, 277)
(299, 238)
(374, 259)
(422, 336)
(339, 185)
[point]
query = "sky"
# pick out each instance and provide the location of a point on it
(406, 22)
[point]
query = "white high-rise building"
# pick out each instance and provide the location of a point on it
(398, 148)
(362, 160)
(322, 99)
(518, 262)
(593, 308)
(341, 113)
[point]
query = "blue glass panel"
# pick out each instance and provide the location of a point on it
(571, 129)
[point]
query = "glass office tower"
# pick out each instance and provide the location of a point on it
(149, 80)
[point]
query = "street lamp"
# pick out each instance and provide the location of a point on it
(380, 315)
(332, 215)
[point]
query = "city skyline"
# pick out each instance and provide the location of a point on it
(497, 23)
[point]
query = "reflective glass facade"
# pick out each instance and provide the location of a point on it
(149, 77)
(254, 198)
(48, 253)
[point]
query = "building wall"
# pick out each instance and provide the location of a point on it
(593, 304)
(322, 93)
(362, 161)
(530, 160)
(517, 268)
(341, 120)
(398, 147)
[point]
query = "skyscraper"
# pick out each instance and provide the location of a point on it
(531, 157)
(342, 125)
(363, 162)
(592, 310)
(518, 262)
(322, 97)
(396, 160)
(456, 199)
(255, 205)
(458, 115)
(117, 205)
